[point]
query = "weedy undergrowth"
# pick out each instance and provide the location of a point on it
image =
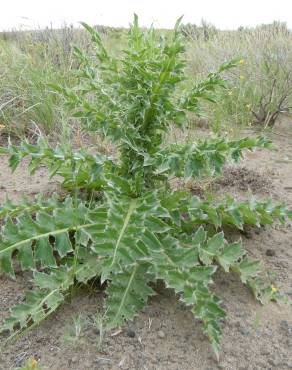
(31, 364)
(121, 221)
(260, 91)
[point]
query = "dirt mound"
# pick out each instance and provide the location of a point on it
(234, 179)
(243, 178)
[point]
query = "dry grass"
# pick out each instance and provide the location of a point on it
(258, 91)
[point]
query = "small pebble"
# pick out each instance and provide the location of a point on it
(247, 234)
(161, 334)
(96, 331)
(244, 331)
(284, 325)
(74, 359)
(272, 362)
(131, 333)
(270, 252)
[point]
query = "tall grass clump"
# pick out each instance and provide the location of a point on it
(32, 61)
(122, 222)
(26, 101)
(261, 89)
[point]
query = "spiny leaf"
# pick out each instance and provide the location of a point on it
(31, 238)
(233, 213)
(248, 269)
(212, 248)
(230, 255)
(38, 305)
(88, 269)
(76, 168)
(127, 293)
(10, 209)
(203, 157)
(125, 238)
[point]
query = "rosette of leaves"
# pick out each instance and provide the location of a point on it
(121, 221)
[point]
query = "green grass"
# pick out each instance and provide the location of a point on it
(26, 102)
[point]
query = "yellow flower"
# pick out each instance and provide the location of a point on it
(248, 106)
(242, 77)
(32, 363)
(274, 289)
(230, 93)
(242, 61)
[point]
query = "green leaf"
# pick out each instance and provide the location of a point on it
(199, 236)
(26, 258)
(44, 253)
(89, 269)
(248, 269)
(32, 239)
(231, 254)
(127, 293)
(38, 305)
(156, 225)
(204, 157)
(63, 244)
(232, 213)
(208, 251)
(201, 273)
(76, 168)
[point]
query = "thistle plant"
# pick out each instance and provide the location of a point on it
(121, 221)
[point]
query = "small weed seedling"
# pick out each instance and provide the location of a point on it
(75, 330)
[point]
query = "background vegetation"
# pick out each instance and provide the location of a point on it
(258, 91)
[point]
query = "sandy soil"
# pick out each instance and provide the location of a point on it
(165, 336)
